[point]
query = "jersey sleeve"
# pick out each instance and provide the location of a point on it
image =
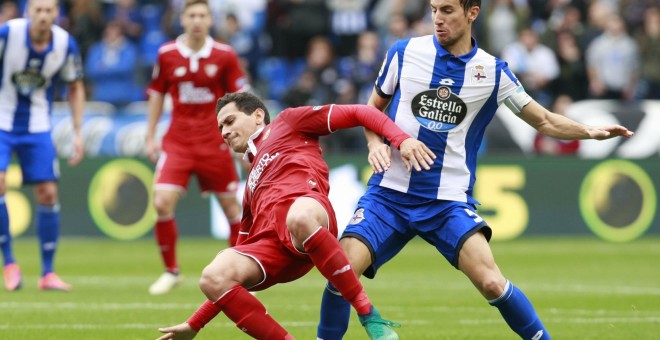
(158, 79)
(388, 77)
(309, 120)
(73, 68)
(510, 87)
(4, 33)
(233, 77)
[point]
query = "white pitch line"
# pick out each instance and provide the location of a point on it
(95, 306)
(650, 319)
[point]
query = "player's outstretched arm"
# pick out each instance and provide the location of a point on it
(559, 126)
(182, 331)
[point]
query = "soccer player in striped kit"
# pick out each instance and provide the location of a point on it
(444, 90)
(33, 53)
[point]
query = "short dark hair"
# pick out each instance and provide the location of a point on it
(467, 4)
(245, 102)
(189, 3)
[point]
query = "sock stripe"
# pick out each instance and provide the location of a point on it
(508, 290)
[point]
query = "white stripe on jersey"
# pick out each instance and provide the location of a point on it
(418, 74)
(55, 61)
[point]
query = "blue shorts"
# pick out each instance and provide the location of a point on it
(36, 154)
(385, 220)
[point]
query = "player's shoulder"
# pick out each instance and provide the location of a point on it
(220, 47)
(167, 47)
(18, 22)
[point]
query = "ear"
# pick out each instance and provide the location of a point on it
(473, 13)
(259, 115)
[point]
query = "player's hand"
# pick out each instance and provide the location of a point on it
(610, 131)
(78, 150)
(379, 156)
(181, 331)
(416, 154)
(152, 150)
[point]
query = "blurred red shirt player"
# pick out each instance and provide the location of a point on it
(195, 70)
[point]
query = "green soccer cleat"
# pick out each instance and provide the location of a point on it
(378, 328)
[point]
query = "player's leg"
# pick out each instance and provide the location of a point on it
(11, 271)
(172, 174)
(308, 221)
(232, 211)
(335, 310)
(217, 173)
(377, 232)
(40, 167)
(48, 231)
(477, 262)
(223, 282)
(166, 234)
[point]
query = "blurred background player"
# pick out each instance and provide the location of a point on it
(32, 53)
(195, 70)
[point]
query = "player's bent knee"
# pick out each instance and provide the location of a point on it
(492, 287)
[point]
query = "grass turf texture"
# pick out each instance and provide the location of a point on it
(583, 288)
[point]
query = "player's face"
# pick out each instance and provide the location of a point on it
(450, 22)
(196, 21)
(237, 127)
(43, 13)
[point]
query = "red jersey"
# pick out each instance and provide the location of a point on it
(287, 161)
(195, 81)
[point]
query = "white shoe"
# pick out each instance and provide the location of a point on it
(165, 283)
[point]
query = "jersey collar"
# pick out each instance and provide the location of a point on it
(252, 147)
(464, 58)
(194, 56)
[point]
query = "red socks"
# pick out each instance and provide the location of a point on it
(204, 314)
(250, 315)
(327, 255)
(166, 235)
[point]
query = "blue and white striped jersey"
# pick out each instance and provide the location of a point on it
(446, 102)
(27, 86)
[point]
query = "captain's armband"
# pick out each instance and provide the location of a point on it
(516, 101)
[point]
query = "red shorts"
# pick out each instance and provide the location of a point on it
(273, 250)
(214, 169)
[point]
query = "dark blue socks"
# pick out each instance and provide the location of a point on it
(48, 230)
(335, 314)
(519, 314)
(5, 236)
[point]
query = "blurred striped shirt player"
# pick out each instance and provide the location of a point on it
(28, 77)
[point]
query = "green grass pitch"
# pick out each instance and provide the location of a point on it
(583, 288)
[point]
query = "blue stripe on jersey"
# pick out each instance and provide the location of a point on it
(447, 71)
(475, 133)
(22, 114)
(4, 36)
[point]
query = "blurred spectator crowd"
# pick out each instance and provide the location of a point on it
(310, 52)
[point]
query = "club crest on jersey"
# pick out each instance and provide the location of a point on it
(180, 71)
(211, 70)
(479, 74)
(358, 216)
(438, 109)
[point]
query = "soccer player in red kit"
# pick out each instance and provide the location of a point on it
(288, 223)
(195, 70)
